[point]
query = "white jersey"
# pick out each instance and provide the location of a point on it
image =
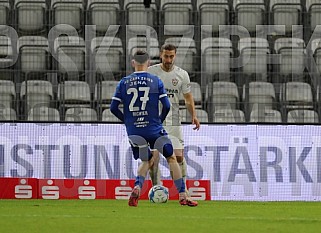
(176, 83)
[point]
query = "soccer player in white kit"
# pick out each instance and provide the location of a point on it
(176, 82)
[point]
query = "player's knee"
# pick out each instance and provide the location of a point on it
(171, 159)
(143, 153)
(146, 156)
(179, 159)
(135, 151)
(168, 150)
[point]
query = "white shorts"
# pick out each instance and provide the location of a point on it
(175, 133)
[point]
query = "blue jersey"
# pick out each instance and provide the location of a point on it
(140, 93)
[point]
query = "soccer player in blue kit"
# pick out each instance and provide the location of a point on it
(140, 94)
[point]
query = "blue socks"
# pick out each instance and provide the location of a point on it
(139, 181)
(180, 185)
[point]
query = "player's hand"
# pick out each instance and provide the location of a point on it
(196, 122)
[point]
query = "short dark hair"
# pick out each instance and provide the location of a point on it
(168, 47)
(141, 56)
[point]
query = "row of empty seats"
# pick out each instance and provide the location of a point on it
(218, 95)
(291, 95)
(106, 57)
(36, 15)
(43, 93)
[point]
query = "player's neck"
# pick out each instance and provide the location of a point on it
(140, 68)
(166, 70)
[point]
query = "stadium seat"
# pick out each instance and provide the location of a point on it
(7, 94)
(104, 91)
(186, 53)
(285, 12)
(7, 114)
(107, 58)
(254, 54)
(292, 57)
(31, 17)
(197, 95)
(296, 95)
(302, 116)
(261, 95)
(249, 13)
(6, 52)
(70, 55)
(74, 94)
(266, 116)
(318, 96)
(105, 15)
(216, 54)
(4, 14)
(109, 117)
(200, 113)
(316, 53)
(313, 8)
(179, 14)
(6, 59)
(220, 95)
(212, 14)
(64, 13)
(149, 44)
(36, 93)
(43, 114)
(228, 115)
(34, 55)
(81, 114)
(136, 14)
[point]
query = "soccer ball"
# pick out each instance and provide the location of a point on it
(158, 194)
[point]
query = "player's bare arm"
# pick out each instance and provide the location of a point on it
(189, 102)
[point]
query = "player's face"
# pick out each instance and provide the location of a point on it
(168, 58)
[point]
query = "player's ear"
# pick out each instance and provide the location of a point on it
(148, 63)
(133, 63)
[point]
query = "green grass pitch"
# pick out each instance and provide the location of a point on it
(94, 216)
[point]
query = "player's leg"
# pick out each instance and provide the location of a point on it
(142, 172)
(179, 153)
(176, 174)
(176, 136)
(154, 171)
(139, 181)
(140, 150)
(179, 182)
(163, 144)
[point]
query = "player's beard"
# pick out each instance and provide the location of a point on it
(168, 66)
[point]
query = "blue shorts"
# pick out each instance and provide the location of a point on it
(142, 144)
